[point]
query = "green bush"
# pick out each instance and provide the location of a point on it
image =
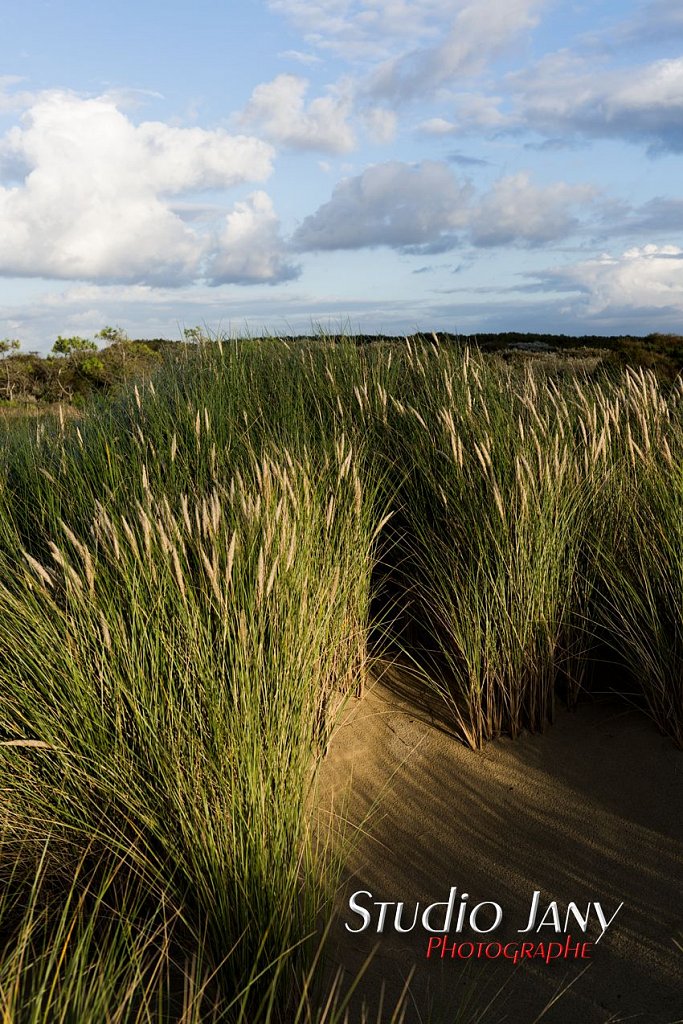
(65, 346)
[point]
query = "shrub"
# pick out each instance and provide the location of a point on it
(112, 335)
(65, 346)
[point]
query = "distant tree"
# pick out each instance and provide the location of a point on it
(113, 335)
(9, 345)
(194, 335)
(65, 346)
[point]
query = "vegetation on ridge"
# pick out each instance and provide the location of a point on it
(82, 369)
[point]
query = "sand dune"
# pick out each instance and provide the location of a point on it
(589, 811)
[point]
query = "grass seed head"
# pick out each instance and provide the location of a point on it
(271, 577)
(146, 530)
(260, 575)
(292, 549)
(130, 537)
(230, 557)
(104, 630)
(39, 569)
(178, 572)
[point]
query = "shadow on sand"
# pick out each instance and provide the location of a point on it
(589, 811)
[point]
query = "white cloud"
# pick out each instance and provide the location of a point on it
(565, 94)
(474, 110)
(366, 29)
(478, 32)
(470, 111)
(380, 124)
(300, 57)
(426, 208)
(646, 277)
(395, 204)
(90, 194)
(516, 210)
(278, 110)
(404, 52)
(408, 50)
(12, 99)
(437, 126)
(249, 248)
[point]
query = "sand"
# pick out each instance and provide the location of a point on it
(589, 811)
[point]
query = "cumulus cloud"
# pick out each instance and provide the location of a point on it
(278, 110)
(645, 277)
(396, 204)
(249, 248)
(564, 94)
(90, 195)
(13, 99)
(426, 208)
(516, 210)
(410, 54)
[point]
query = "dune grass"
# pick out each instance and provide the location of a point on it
(186, 578)
(177, 638)
(539, 523)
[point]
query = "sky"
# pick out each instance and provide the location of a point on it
(370, 166)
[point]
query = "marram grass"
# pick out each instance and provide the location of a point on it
(187, 574)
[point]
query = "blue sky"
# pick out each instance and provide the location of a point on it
(369, 165)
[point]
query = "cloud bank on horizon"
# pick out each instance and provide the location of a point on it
(378, 165)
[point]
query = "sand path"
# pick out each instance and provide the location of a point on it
(591, 810)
